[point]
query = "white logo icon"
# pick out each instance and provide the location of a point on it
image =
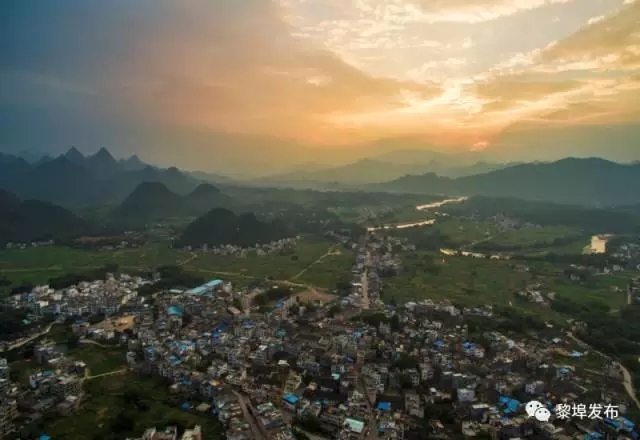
(532, 407)
(542, 415)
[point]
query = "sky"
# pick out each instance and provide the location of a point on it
(207, 84)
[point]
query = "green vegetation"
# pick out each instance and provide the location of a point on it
(472, 280)
(487, 236)
(153, 201)
(99, 359)
(334, 268)
(465, 232)
(588, 220)
(33, 220)
(280, 266)
(20, 269)
(125, 407)
(531, 236)
(221, 227)
(37, 265)
(569, 181)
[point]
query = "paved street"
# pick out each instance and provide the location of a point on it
(244, 405)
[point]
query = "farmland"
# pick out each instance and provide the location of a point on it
(306, 261)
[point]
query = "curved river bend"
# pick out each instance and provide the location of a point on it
(419, 208)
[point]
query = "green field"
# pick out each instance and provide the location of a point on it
(279, 267)
(407, 214)
(464, 279)
(474, 281)
(530, 236)
(599, 289)
(38, 265)
(328, 271)
(466, 231)
(537, 241)
(99, 360)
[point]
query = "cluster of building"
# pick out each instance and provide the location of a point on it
(535, 293)
(56, 385)
(99, 297)
(263, 375)
(393, 373)
(258, 249)
(24, 245)
(8, 401)
(171, 433)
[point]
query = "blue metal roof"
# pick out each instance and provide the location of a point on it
(212, 284)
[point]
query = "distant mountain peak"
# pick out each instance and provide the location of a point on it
(102, 162)
(74, 155)
(103, 154)
(133, 163)
(204, 189)
(151, 186)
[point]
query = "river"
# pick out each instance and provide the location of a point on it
(426, 207)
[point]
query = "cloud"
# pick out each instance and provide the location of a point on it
(331, 71)
(605, 43)
(224, 78)
(455, 11)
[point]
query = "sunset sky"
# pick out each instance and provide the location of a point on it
(200, 82)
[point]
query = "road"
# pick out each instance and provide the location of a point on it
(30, 338)
(627, 380)
(255, 430)
(91, 342)
(189, 260)
(366, 301)
(331, 251)
(109, 373)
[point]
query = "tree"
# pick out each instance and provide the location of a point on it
(73, 342)
(394, 323)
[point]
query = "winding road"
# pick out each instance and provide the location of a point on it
(627, 380)
(29, 339)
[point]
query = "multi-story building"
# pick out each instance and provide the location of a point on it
(8, 413)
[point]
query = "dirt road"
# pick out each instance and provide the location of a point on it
(627, 380)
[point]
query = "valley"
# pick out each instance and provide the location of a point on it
(306, 257)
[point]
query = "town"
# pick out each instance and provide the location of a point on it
(278, 363)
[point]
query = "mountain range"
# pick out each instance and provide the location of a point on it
(590, 181)
(73, 179)
(151, 201)
(375, 170)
